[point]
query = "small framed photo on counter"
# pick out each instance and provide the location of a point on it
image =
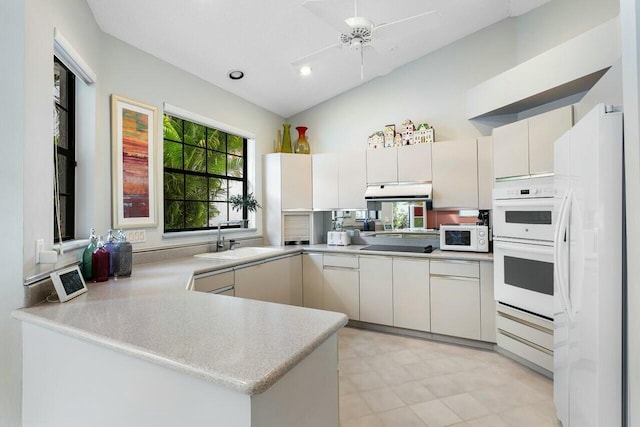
(69, 283)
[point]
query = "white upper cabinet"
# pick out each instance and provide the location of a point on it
(325, 181)
(525, 147)
(382, 165)
(414, 163)
(544, 130)
(352, 179)
(455, 174)
(485, 172)
(288, 182)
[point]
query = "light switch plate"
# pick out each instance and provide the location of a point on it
(136, 236)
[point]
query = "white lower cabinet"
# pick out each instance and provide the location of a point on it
(342, 291)
(278, 281)
(249, 282)
(212, 282)
(411, 306)
(312, 286)
(376, 290)
(455, 298)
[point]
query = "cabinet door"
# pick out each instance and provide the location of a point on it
(382, 165)
(455, 306)
(414, 163)
(376, 290)
(485, 172)
(411, 308)
(296, 181)
(325, 181)
(544, 130)
(487, 303)
(455, 174)
(312, 286)
(208, 283)
(282, 280)
(352, 179)
(250, 282)
(341, 291)
(511, 150)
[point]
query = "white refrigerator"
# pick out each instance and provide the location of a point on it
(588, 271)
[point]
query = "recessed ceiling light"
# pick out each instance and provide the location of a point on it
(305, 70)
(236, 74)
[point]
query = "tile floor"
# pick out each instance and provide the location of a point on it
(389, 381)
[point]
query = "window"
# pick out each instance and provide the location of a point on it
(64, 153)
(203, 167)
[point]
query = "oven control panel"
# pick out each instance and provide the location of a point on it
(529, 192)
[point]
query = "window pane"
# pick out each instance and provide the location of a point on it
(194, 159)
(172, 128)
(194, 133)
(217, 213)
(63, 215)
(172, 155)
(235, 145)
(235, 215)
(216, 163)
(60, 88)
(174, 215)
(60, 127)
(62, 174)
(216, 139)
(235, 166)
(235, 188)
(217, 189)
(196, 215)
(173, 186)
(196, 188)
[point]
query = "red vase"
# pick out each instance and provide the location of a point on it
(302, 145)
(100, 265)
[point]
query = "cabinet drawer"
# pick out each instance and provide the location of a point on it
(340, 261)
(533, 354)
(455, 268)
(213, 282)
(528, 332)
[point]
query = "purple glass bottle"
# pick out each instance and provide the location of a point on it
(100, 263)
(110, 247)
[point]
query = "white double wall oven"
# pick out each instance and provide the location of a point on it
(523, 227)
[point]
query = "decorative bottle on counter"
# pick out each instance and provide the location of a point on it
(122, 256)
(100, 263)
(286, 139)
(302, 145)
(86, 255)
(110, 246)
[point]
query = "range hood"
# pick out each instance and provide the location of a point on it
(398, 192)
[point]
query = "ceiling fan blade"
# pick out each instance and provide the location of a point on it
(377, 64)
(399, 21)
(324, 10)
(315, 55)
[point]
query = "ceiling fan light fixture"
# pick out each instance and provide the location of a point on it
(236, 74)
(305, 70)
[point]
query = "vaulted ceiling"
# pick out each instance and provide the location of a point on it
(269, 39)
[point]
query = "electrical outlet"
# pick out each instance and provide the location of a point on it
(136, 236)
(39, 248)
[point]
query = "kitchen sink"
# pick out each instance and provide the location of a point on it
(240, 253)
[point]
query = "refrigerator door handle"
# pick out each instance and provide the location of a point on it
(560, 268)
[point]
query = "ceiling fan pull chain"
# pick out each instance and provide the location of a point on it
(361, 62)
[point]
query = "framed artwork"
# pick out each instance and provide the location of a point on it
(133, 178)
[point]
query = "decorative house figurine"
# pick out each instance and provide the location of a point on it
(423, 134)
(389, 135)
(397, 141)
(407, 132)
(376, 140)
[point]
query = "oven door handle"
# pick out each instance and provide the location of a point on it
(560, 267)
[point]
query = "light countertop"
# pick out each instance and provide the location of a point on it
(436, 254)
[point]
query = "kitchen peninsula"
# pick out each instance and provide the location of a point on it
(143, 351)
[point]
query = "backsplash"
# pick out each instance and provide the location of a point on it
(436, 218)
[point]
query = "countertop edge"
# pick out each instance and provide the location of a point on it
(249, 388)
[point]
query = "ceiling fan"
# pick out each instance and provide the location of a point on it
(356, 32)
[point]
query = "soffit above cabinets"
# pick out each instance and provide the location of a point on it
(263, 38)
(560, 72)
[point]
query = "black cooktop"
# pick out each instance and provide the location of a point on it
(395, 248)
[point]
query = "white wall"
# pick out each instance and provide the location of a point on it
(125, 71)
(11, 292)
(433, 89)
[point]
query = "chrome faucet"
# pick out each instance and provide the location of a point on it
(219, 242)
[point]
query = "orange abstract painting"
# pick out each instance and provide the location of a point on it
(135, 164)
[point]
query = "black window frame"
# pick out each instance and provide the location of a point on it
(207, 175)
(68, 196)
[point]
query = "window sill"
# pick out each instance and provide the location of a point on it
(174, 234)
(71, 245)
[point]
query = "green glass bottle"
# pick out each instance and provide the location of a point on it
(286, 139)
(86, 255)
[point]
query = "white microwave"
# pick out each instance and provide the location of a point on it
(464, 237)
